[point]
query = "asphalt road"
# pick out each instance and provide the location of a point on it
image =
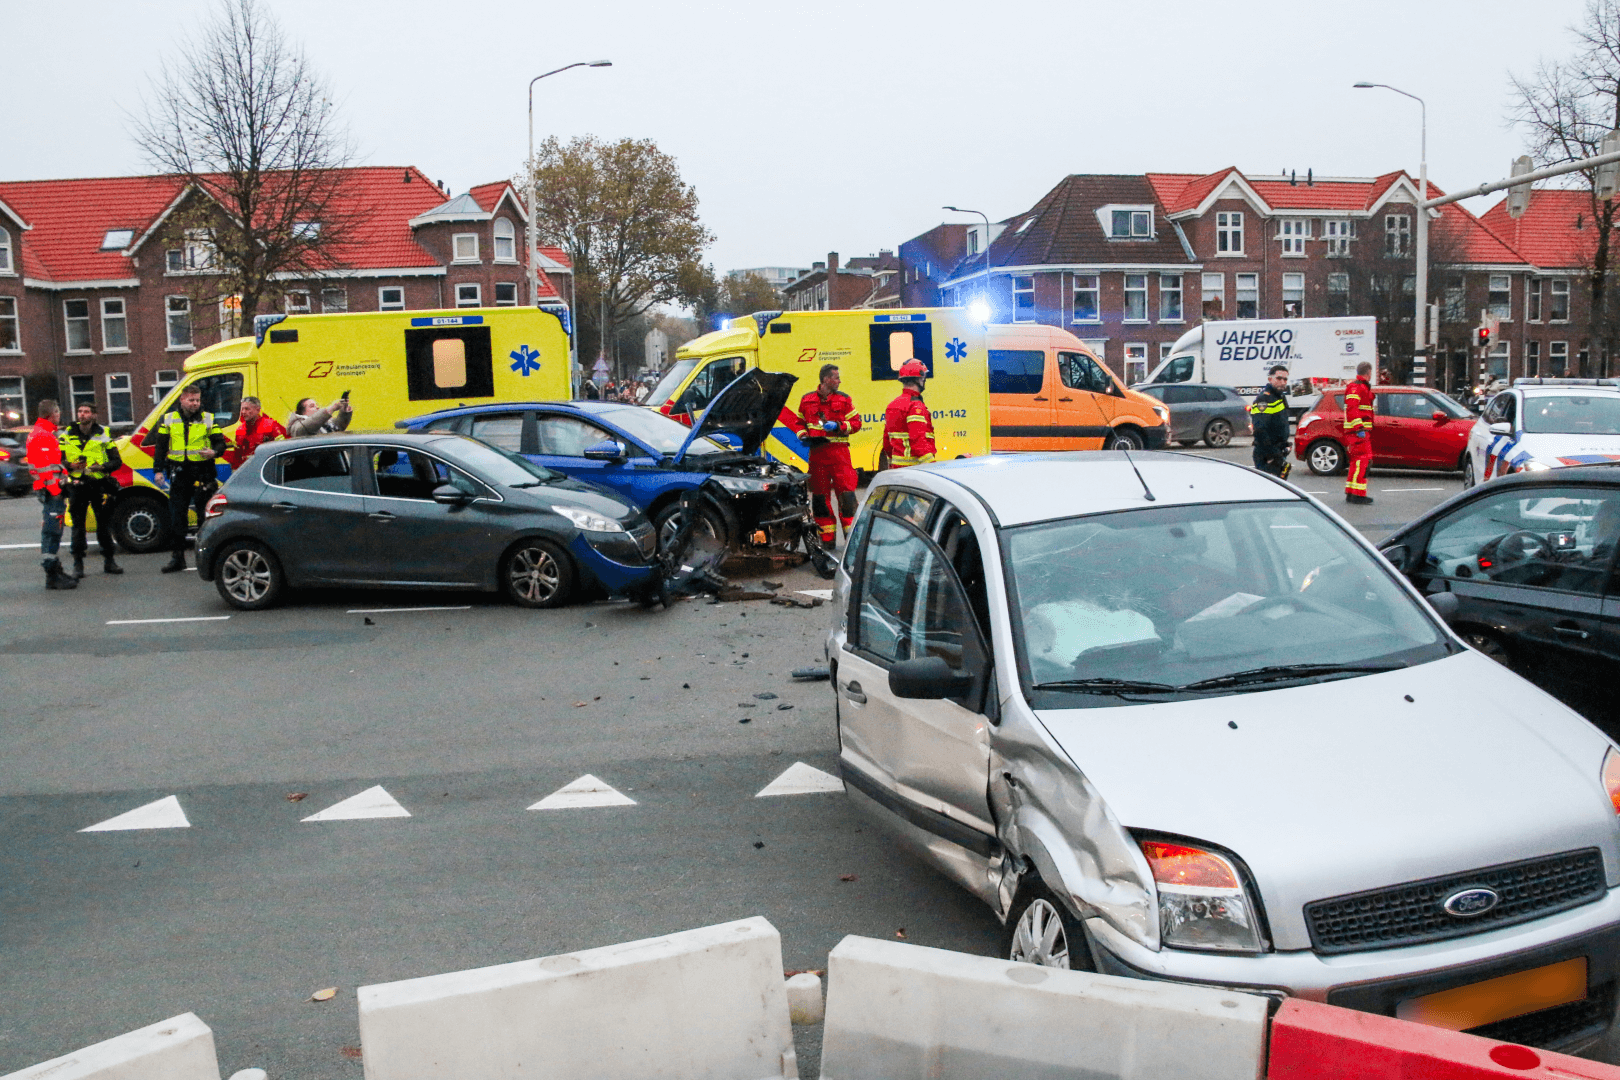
(466, 717)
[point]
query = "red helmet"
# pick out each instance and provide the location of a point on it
(913, 369)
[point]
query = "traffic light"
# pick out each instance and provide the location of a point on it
(1518, 198)
(1482, 336)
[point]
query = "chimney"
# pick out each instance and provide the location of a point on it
(832, 263)
(823, 266)
(407, 176)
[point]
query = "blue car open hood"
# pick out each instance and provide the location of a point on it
(747, 410)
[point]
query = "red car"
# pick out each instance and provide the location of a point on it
(1413, 428)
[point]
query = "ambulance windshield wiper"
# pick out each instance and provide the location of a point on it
(1285, 672)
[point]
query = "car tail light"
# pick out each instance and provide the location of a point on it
(1611, 777)
(1202, 901)
(5, 455)
(215, 507)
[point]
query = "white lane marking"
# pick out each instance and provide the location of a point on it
(189, 618)
(163, 814)
(18, 547)
(824, 594)
(801, 779)
(373, 802)
(1397, 491)
(387, 610)
(586, 791)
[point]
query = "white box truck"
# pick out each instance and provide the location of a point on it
(1319, 353)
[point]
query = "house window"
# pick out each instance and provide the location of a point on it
(1294, 233)
(1128, 223)
(465, 246)
(1293, 296)
(1338, 232)
(334, 300)
(1169, 297)
(1087, 307)
(114, 325)
(166, 379)
(297, 303)
(1229, 232)
(1560, 300)
(230, 316)
(391, 298)
(505, 240)
(1338, 295)
(1248, 296)
(120, 399)
(1501, 297)
(506, 294)
(1497, 363)
(76, 313)
(1164, 350)
(174, 260)
(1397, 235)
(1023, 299)
(179, 313)
(82, 389)
(1532, 301)
(1136, 298)
(1135, 363)
(5, 252)
(973, 241)
(1214, 295)
(468, 295)
(199, 250)
(1557, 358)
(1454, 305)
(9, 339)
(12, 411)
(1532, 358)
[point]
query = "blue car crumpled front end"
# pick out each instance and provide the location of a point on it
(622, 562)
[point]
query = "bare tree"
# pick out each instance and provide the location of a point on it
(244, 118)
(1565, 107)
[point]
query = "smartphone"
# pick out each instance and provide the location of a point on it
(345, 395)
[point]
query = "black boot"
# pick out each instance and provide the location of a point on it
(78, 567)
(56, 579)
(108, 566)
(176, 562)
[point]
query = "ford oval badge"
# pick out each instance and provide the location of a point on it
(1470, 902)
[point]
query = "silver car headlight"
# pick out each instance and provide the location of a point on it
(743, 485)
(587, 521)
(1202, 900)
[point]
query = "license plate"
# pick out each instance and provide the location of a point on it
(1496, 999)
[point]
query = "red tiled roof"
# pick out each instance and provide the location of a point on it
(1556, 230)
(557, 254)
(488, 196)
(1183, 191)
(1476, 243)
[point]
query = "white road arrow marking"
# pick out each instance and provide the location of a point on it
(373, 802)
(162, 814)
(801, 779)
(586, 791)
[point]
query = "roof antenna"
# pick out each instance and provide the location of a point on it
(1310, 177)
(1293, 178)
(1147, 491)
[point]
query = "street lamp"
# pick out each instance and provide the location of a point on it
(534, 273)
(1420, 319)
(985, 296)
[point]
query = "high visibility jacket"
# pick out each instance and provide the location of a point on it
(91, 455)
(1270, 415)
(45, 458)
(838, 408)
(1358, 407)
(908, 429)
(182, 439)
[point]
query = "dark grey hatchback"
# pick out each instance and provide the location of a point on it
(418, 511)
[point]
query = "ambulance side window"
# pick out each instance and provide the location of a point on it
(449, 362)
(1079, 372)
(895, 343)
(221, 395)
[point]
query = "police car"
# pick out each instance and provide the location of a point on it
(1539, 424)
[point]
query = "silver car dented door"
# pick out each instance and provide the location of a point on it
(927, 761)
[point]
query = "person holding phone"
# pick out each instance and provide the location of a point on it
(310, 419)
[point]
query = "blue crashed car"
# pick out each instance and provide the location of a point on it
(742, 499)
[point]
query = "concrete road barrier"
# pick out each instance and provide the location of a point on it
(179, 1048)
(701, 1003)
(905, 1012)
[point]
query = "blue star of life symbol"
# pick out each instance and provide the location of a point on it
(956, 349)
(525, 361)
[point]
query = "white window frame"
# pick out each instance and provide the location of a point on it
(1170, 285)
(1503, 351)
(334, 290)
(78, 396)
(1126, 293)
(1397, 235)
(1333, 279)
(120, 386)
(1028, 290)
(456, 243)
(1229, 233)
(199, 250)
(169, 312)
(1562, 358)
(475, 298)
(1165, 348)
(296, 307)
(499, 285)
(1136, 353)
(1237, 295)
(1505, 315)
(12, 396)
(1552, 304)
(510, 238)
(108, 318)
(1532, 358)
(383, 303)
(1293, 283)
(1213, 286)
(1293, 232)
(14, 317)
(67, 326)
(167, 379)
(8, 264)
(1532, 300)
(1338, 232)
(1086, 283)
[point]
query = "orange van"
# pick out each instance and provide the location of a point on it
(1048, 392)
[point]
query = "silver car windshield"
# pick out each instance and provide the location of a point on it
(1572, 414)
(660, 432)
(1142, 605)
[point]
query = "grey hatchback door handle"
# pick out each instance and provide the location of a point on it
(381, 515)
(284, 507)
(852, 690)
(1572, 631)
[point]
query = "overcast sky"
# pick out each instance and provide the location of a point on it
(838, 126)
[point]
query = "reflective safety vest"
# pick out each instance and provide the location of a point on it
(1358, 407)
(87, 453)
(45, 457)
(908, 430)
(189, 438)
(837, 408)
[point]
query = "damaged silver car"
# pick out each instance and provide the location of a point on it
(1170, 718)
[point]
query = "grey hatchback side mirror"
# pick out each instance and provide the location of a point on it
(606, 450)
(929, 678)
(450, 495)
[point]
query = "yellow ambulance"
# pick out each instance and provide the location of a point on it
(868, 347)
(394, 364)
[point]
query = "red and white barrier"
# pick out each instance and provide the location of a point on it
(179, 1048)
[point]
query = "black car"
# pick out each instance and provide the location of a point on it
(1530, 559)
(15, 480)
(418, 511)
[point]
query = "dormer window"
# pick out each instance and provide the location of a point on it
(117, 239)
(505, 241)
(306, 230)
(465, 247)
(1126, 222)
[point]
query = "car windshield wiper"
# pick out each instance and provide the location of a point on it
(529, 484)
(1108, 686)
(1284, 672)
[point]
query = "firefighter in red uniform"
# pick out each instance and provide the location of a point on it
(828, 418)
(1358, 426)
(908, 426)
(50, 480)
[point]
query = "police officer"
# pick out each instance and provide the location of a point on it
(908, 426)
(1358, 426)
(829, 418)
(91, 459)
(1270, 415)
(188, 441)
(50, 486)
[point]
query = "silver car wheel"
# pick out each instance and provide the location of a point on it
(535, 575)
(1219, 433)
(1039, 937)
(1468, 473)
(1325, 458)
(246, 575)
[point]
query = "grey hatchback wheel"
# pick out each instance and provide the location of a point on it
(1218, 433)
(537, 574)
(248, 577)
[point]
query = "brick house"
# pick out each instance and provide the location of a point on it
(101, 299)
(1551, 329)
(830, 286)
